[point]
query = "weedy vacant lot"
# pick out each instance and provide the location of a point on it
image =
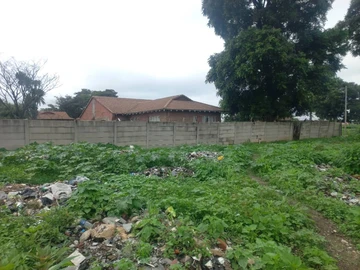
(289, 205)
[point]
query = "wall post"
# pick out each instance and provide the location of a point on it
(27, 131)
(174, 134)
(115, 132)
(147, 135)
(76, 131)
(197, 134)
(218, 133)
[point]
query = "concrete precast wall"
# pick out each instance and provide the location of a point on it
(17, 133)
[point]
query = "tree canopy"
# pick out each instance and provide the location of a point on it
(277, 58)
(74, 105)
(352, 24)
(332, 105)
(23, 86)
(230, 17)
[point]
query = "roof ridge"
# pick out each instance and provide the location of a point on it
(205, 104)
(107, 107)
(171, 99)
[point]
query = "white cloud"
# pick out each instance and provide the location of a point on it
(138, 47)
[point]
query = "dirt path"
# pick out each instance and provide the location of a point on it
(338, 245)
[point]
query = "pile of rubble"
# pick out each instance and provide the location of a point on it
(203, 154)
(33, 199)
(346, 197)
(112, 239)
(322, 167)
(164, 172)
(102, 241)
(337, 187)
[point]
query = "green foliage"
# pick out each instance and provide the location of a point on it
(318, 258)
(229, 18)
(290, 167)
(350, 159)
(150, 229)
(35, 242)
(352, 24)
(125, 264)
(181, 240)
(278, 59)
(143, 250)
(106, 199)
(264, 255)
(245, 85)
(187, 215)
(214, 226)
(331, 105)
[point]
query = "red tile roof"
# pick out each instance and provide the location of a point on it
(119, 105)
(53, 115)
(133, 106)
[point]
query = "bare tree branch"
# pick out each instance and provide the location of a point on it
(23, 86)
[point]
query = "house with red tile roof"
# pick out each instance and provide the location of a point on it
(53, 115)
(169, 109)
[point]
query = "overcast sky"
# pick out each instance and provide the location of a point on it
(140, 48)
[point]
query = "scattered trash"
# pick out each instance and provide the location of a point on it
(28, 193)
(78, 180)
(47, 199)
(217, 252)
(103, 231)
(338, 187)
(221, 260)
(85, 236)
(163, 172)
(204, 154)
(209, 265)
(354, 201)
(85, 224)
(222, 244)
(3, 196)
(127, 227)
(110, 220)
(323, 167)
(18, 197)
(78, 258)
(12, 195)
(61, 191)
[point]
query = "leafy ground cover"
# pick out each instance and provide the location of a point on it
(191, 208)
(321, 173)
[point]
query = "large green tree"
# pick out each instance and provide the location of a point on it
(23, 86)
(277, 57)
(332, 105)
(74, 105)
(352, 24)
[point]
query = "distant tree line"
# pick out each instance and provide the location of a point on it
(74, 105)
